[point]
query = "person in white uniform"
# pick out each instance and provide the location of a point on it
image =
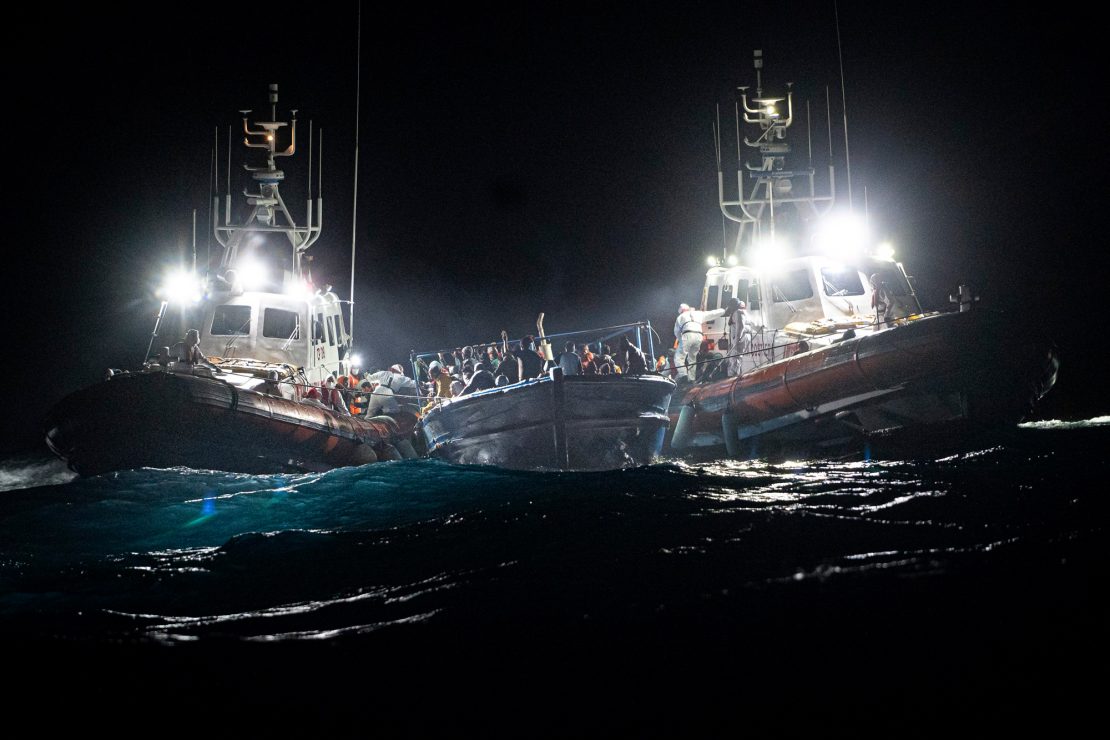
(687, 330)
(740, 338)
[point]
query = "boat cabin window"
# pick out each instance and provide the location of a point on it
(748, 292)
(231, 321)
(318, 329)
(712, 297)
(895, 282)
(278, 323)
(840, 281)
(331, 331)
(793, 286)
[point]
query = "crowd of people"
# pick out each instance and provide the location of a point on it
(480, 367)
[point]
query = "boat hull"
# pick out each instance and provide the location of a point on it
(161, 419)
(601, 422)
(973, 370)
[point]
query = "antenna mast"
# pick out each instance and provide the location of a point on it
(354, 203)
(843, 107)
(268, 213)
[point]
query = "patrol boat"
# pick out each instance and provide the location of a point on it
(267, 340)
(832, 346)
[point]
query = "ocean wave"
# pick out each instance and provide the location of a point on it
(32, 472)
(1097, 421)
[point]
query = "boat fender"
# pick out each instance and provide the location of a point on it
(408, 452)
(234, 398)
(364, 455)
(387, 451)
(683, 428)
(730, 432)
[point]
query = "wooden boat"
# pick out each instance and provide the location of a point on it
(579, 422)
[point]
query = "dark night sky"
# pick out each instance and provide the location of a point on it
(552, 158)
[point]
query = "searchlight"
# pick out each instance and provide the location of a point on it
(768, 254)
(252, 274)
(842, 236)
(885, 252)
(181, 287)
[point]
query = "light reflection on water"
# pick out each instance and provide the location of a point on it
(180, 555)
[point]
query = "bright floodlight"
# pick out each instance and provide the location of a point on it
(356, 361)
(733, 260)
(768, 254)
(181, 287)
(885, 251)
(842, 236)
(712, 261)
(252, 274)
(299, 289)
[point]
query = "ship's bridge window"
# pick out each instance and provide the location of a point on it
(711, 297)
(841, 281)
(318, 329)
(231, 321)
(793, 286)
(748, 292)
(278, 323)
(331, 331)
(895, 281)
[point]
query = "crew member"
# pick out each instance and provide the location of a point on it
(404, 388)
(739, 337)
(381, 400)
(687, 332)
(882, 301)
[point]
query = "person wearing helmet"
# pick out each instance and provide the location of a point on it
(688, 336)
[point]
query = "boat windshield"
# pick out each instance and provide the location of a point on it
(841, 281)
(895, 281)
(277, 323)
(231, 321)
(793, 286)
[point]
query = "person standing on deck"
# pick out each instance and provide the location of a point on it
(687, 331)
(570, 361)
(739, 337)
(531, 366)
(509, 369)
(881, 301)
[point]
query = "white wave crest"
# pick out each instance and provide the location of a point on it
(30, 473)
(1097, 421)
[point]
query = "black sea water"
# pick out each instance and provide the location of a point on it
(886, 594)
